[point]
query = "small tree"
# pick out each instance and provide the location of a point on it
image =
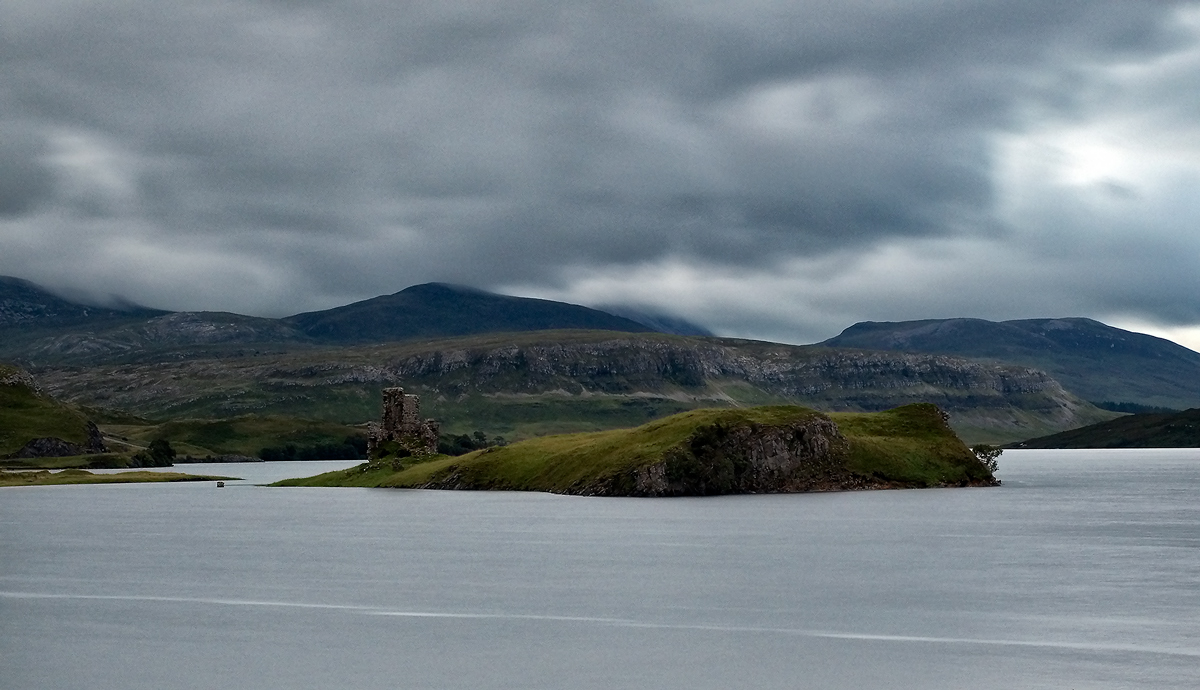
(988, 455)
(160, 449)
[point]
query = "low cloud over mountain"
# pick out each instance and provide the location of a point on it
(768, 169)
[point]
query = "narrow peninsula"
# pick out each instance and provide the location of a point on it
(78, 476)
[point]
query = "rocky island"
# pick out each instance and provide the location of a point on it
(776, 449)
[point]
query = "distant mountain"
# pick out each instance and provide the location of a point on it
(230, 364)
(1178, 430)
(656, 320)
(1097, 362)
(172, 336)
(28, 305)
(38, 326)
(437, 310)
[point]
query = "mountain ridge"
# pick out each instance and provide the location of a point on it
(422, 311)
(25, 303)
(1098, 362)
(38, 326)
(526, 384)
(1091, 361)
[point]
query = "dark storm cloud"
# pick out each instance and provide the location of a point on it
(311, 153)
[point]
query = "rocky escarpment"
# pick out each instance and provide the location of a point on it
(582, 368)
(648, 363)
(697, 367)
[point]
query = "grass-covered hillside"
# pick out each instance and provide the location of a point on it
(709, 451)
(26, 413)
(1176, 430)
(241, 435)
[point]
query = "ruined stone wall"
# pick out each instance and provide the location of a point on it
(401, 423)
(395, 416)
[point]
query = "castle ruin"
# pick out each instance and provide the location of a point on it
(402, 424)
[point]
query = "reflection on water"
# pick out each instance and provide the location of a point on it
(1083, 570)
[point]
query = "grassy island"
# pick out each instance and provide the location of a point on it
(703, 452)
(76, 476)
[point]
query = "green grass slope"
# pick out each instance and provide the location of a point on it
(26, 414)
(1178, 430)
(910, 445)
(92, 461)
(709, 451)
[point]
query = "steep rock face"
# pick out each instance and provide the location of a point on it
(804, 456)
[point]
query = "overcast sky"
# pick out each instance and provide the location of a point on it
(769, 169)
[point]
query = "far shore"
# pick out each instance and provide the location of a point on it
(78, 476)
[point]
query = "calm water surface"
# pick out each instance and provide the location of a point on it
(1082, 571)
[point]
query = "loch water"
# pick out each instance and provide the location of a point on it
(1081, 571)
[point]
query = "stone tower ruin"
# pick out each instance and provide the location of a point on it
(402, 424)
